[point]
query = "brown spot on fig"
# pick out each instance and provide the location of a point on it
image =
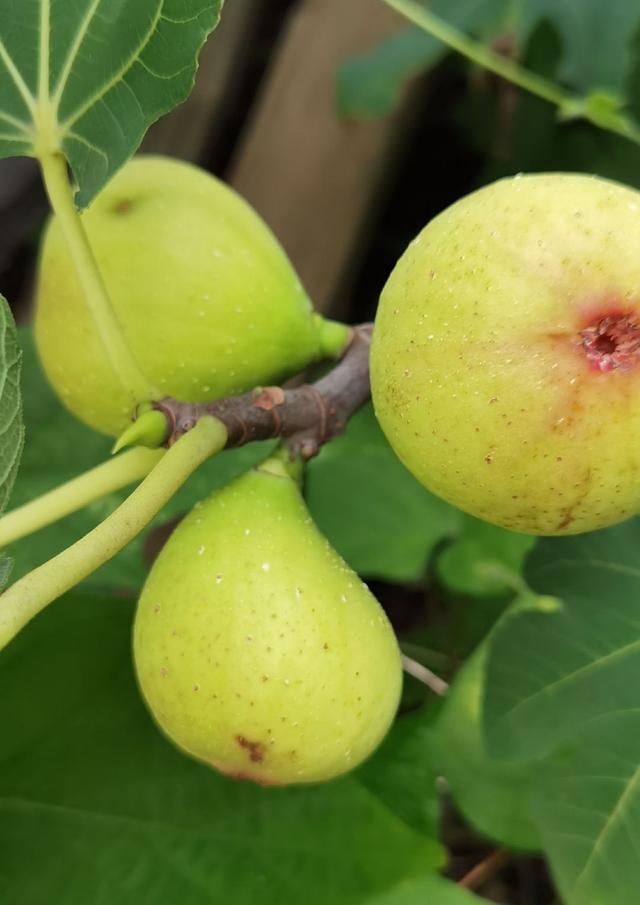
(123, 206)
(241, 776)
(255, 750)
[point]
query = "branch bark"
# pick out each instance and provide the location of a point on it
(483, 871)
(306, 417)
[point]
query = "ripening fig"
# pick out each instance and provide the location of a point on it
(206, 299)
(506, 354)
(256, 647)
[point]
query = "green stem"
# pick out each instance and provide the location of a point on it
(479, 53)
(570, 106)
(76, 494)
(333, 337)
(56, 180)
(30, 594)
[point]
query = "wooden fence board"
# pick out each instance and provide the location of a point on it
(312, 175)
(192, 129)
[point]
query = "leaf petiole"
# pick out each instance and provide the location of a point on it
(31, 594)
(569, 105)
(77, 493)
(56, 181)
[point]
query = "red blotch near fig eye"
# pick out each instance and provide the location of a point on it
(610, 340)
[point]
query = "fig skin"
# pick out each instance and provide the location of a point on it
(505, 360)
(257, 649)
(206, 298)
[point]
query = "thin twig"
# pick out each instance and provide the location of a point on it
(424, 675)
(483, 871)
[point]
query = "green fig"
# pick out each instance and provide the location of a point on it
(257, 649)
(505, 361)
(206, 299)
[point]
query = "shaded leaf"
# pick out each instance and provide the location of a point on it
(370, 507)
(403, 772)
(582, 26)
(89, 77)
(115, 813)
(588, 809)
(495, 797)
(563, 681)
(555, 666)
(371, 84)
(483, 559)
(427, 890)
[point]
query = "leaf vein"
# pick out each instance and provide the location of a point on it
(74, 50)
(118, 77)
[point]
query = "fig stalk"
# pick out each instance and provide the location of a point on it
(594, 107)
(77, 493)
(30, 594)
(124, 367)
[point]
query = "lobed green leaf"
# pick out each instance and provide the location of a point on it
(88, 77)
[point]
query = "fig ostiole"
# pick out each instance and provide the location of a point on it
(257, 649)
(206, 299)
(505, 361)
